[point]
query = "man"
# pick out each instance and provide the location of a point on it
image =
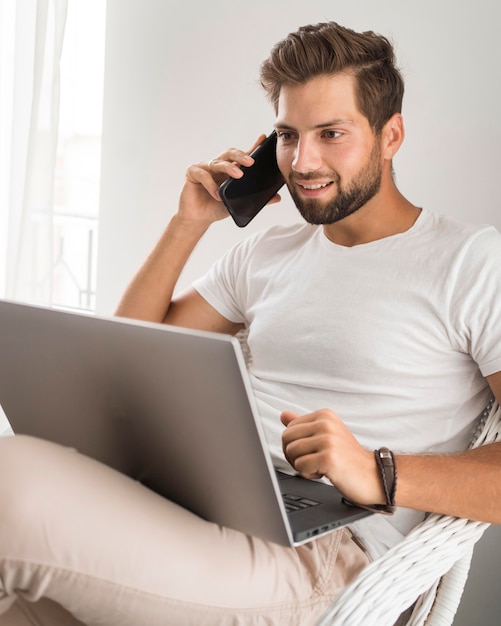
(386, 314)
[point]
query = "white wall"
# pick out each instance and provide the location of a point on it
(181, 85)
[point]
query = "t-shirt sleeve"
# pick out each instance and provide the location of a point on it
(475, 303)
(221, 285)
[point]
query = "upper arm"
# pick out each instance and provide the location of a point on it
(190, 310)
(494, 381)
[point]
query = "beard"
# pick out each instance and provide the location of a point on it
(349, 198)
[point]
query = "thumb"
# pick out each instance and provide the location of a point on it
(286, 417)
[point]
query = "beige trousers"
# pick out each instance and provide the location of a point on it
(78, 535)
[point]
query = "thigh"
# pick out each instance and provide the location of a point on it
(113, 552)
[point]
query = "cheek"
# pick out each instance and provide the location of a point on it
(285, 157)
(345, 160)
(343, 153)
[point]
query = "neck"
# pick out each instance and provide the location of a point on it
(387, 214)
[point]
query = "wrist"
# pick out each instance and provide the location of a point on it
(385, 460)
(384, 478)
(188, 228)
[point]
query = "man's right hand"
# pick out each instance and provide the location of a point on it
(199, 201)
(150, 294)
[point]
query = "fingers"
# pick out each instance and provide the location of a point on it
(258, 142)
(200, 175)
(210, 174)
(320, 445)
(310, 466)
(287, 416)
(228, 163)
(308, 441)
(309, 457)
(276, 198)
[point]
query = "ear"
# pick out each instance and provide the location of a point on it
(392, 136)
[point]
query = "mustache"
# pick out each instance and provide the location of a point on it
(297, 177)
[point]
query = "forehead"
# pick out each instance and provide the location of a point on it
(320, 99)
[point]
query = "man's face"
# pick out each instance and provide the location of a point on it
(326, 149)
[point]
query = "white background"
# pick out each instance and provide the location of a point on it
(181, 85)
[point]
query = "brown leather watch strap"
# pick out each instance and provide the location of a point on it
(388, 470)
(385, 461)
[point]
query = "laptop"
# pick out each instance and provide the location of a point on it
(170, 407)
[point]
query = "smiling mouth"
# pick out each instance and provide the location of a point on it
(314, 187)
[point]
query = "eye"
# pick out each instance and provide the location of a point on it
(332, 134)
(285, 135)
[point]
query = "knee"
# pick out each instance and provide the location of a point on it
(15, 457)
(21, 463)
(28, 467)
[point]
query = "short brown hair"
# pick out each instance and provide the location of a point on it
(327, 48)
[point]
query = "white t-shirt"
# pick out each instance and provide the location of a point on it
(395, 335)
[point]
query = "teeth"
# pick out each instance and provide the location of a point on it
(313, 187)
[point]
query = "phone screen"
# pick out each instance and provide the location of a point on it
(245, 197)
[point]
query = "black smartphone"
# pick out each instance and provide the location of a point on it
(245, 197)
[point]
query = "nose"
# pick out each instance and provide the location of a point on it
(306, 156)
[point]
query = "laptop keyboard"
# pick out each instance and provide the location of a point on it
(296, 503)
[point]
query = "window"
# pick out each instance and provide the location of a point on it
(51, 94)
(76, 193)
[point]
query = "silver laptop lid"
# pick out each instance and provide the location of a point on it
(167, 406)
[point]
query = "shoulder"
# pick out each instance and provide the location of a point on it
(460, 231)
(459, 239)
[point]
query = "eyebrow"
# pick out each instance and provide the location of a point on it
(335, 122)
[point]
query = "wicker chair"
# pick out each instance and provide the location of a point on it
(426, 571)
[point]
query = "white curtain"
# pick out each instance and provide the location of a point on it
(33, 33)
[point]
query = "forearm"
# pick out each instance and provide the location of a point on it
(466, 485)
(149, 295)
